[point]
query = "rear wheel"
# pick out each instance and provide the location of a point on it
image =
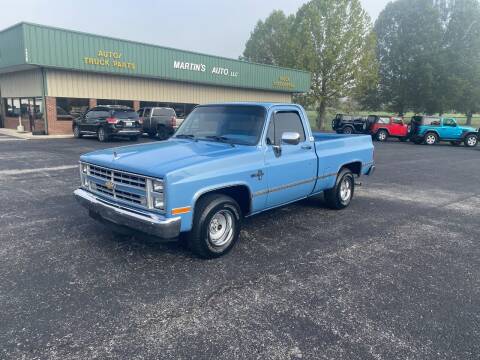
(471, 140)
(347, 130)
(341, 195)
(382, 135)
(216, 226)
(102, 135)
(76, 132)
(431, 138)
(163, 133)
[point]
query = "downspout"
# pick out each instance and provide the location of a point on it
(44, 100)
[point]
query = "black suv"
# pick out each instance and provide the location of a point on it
(108, 121)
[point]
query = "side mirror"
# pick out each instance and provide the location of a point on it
(291, 138)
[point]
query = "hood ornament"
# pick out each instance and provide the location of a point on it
(115, 156)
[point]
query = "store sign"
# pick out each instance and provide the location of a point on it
(109, 59)
(283, 82)
(215, 70)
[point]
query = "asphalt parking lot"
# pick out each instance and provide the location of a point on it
(394, 276)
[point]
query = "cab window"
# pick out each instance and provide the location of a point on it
(449, 122)
(285, 121)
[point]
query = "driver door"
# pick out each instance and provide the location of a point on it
(450, 130)
(292, 171)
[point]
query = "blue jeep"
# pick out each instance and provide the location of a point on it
(430, 130)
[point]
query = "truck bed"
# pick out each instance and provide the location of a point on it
(336, 150)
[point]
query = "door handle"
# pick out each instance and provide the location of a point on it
(307, 147)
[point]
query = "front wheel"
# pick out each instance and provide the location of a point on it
(216, 226)
(471, 140)
(341, 195)
(76, 132)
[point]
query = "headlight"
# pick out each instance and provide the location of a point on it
(158, 202)
(157, 185)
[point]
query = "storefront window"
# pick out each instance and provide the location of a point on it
(71, 108)
(115, 102)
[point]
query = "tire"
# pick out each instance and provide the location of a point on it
(163, 133)
(347, 130)
(471, 140)
(382, 135)
(431, 138)
(216, 226)
(101, 135)
(340, 196)
(76, 132)
(455, 143)
(134, 138)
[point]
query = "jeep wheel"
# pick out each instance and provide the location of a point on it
(101, 135)
(382, 135)
(347, 130)
(341, 195)
(431, 139)
(216, 226)
(471, 140)
(163, 133)
(76, 132)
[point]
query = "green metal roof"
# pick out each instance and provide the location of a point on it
(31, 44)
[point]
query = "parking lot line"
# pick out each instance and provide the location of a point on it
(29, 171)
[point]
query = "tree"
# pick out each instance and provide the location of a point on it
(409, 43)
(462, 55)
(332, 39)
(269, 43)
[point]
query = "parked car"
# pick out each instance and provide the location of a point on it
(350, 124)
(108, 121)
(384, 127)
(430, 130)
(159, 121)
(225, 162)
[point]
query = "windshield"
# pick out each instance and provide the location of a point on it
(236, 124)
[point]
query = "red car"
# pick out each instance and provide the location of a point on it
(384, 127)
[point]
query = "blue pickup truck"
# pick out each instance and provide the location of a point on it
(225, 162)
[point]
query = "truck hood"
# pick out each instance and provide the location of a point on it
(159, 158)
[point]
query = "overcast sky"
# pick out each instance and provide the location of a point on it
(218, 27)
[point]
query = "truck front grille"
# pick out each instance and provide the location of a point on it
(118, 185)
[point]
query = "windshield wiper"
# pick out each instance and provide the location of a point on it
(223, 139)
(185, 136)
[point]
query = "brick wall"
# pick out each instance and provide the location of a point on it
(55, 126)
(12, 123)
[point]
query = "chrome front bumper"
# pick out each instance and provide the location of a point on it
(153, 224)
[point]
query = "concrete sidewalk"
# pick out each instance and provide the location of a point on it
(29, 136)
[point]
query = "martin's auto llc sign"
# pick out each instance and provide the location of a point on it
(214, 70)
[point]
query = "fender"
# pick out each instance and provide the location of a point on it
(382, 128)
(217, 187)
(464, 135)
(430, 131)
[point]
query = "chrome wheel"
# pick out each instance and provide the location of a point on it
(347, 130)
(221, 228)
(472, 141)
(101, 134)
(382, 136)
(345, 190)
(430, 139)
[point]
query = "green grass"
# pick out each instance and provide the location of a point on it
(312, 116)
